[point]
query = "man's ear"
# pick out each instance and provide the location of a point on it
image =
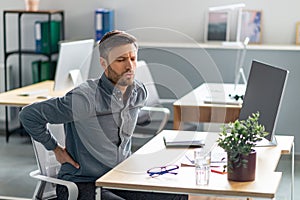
(103, 63)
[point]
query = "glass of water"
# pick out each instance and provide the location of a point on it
(202, 160)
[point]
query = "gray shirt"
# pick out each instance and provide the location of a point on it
(98, 123)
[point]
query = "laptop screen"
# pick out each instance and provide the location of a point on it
(264, 93)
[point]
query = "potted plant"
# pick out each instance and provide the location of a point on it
(238, 139)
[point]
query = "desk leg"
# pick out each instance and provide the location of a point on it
(98, 193)
(293, 171)
(176, 117)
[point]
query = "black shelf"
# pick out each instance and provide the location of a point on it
(38, 12)
(29, 52)
(19, 51)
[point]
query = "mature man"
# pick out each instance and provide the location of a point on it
(99, 117)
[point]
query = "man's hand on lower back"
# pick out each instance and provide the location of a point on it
(62, 156)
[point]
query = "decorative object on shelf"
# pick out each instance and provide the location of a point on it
(238, 139)
(251, 26)
(220, 22)
(298, 33)
(32, 5)
(217, 26)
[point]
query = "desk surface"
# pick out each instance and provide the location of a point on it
(193, 107)
(15, 98)
(205, 91)
(131, 174)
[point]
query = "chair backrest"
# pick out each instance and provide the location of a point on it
(46, 160)
(143, 75)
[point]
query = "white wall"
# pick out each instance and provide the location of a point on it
(185, 20)
(187, 17)
(279, 17)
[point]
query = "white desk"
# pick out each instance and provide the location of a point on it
(131, 174)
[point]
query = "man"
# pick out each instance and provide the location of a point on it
(99, 117)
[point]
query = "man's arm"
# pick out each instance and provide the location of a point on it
(35, 117)
(54, 111)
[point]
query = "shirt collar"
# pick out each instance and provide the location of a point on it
(107, 84)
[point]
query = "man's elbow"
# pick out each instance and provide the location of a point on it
(24, 114)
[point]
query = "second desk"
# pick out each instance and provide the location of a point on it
(193, 108)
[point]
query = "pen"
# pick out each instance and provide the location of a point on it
(218, 172)
(190, 159)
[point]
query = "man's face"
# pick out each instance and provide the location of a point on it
(121, 65)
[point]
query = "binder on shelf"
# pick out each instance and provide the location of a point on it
(38, 36)
(42, 36)
(104, 22)
(43, 70)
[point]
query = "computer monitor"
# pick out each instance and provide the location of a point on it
(73, 63)
(264, 92)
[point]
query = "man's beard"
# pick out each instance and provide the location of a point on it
(119, 79)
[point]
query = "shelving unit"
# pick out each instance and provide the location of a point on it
(19, 50)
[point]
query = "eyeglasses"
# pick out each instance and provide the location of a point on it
(157, 171)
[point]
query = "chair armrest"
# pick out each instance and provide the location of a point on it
(164, 111)
(72, 187)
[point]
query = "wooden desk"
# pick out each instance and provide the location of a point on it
(13, 97)
(192, 107)
(131, 174)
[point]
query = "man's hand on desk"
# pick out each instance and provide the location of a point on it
(62, 156)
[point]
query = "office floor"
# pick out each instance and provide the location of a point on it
(17, 161)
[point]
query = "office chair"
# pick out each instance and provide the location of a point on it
(48, 168)
(153, 117)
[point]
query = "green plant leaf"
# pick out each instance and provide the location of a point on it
(239, 137)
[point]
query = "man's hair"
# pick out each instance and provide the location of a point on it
(114, 39)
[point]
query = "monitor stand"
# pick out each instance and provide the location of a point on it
(76, 77)
(73, 79)
(267, 143)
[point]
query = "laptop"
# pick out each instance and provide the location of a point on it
(264, 93)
